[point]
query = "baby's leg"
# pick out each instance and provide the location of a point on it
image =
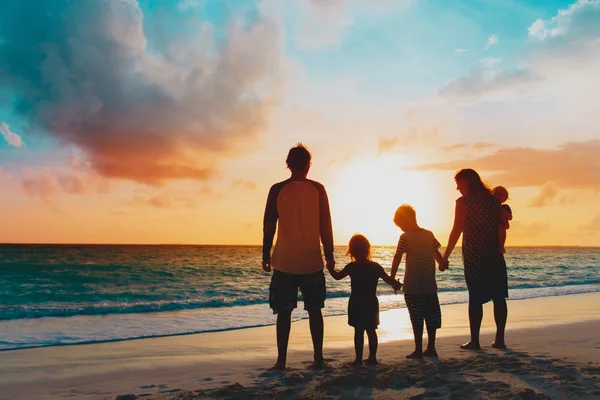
(372, 335)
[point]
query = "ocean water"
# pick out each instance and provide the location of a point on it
(67, 294)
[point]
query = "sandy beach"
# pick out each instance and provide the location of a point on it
(554, 352)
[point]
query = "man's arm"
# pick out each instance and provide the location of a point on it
(269, 227)
(325, 226)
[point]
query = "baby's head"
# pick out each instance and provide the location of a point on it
(405, 217)
(500, 193)
(359, 248)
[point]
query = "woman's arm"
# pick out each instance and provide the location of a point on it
(460, 216)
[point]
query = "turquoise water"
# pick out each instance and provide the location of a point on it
(58, 294)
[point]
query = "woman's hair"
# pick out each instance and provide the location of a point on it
(298, 157)
(359, 248)
(475, 183)
(405, 213)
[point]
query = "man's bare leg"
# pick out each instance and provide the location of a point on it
(315, 320)
(284, 325)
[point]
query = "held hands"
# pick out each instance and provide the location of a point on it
(443, 266)
(330, 264)
(397, 286)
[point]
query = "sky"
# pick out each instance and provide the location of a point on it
(127, 121)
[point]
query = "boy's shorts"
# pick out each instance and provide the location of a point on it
(283, 291)
(424, 307)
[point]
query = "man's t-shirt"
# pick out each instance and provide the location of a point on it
(419, 275)
(299, 211)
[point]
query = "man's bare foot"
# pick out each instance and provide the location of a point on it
(430, 353)
(499, 345)
(415, 355)
(470, 346)
(372, 361)
(279, 366)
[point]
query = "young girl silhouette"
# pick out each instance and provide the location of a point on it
(363, 306)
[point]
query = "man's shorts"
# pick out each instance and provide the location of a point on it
(283, 292)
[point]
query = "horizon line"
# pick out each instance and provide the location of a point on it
(250, 245)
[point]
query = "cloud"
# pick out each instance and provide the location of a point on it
(323, 23)
(573, 165)
(489, 62)
(47, 185)
(387, 144)
(485, 84)
(518, 228)
(187, 4)
(461, 51)
(594, 225)
(492, 41)
(5, 176)
(244, 184)
(42, 185)
(579, 19)
(166, 199)
(12, 138)
(470, 146)
(546, 195)
(560, 63)
(86, 73)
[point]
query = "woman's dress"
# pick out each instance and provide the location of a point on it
(485, 268)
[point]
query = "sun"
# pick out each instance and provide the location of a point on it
(368, 191)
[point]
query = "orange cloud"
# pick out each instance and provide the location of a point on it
(533, 229)
(140, 114)
(547, 193)
(574, 165)
(467, 146)
(244, 183)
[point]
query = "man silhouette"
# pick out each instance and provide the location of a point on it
(298, 209)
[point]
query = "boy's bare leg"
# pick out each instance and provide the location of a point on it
(315, 320)
(372, 335)
(475, 317)
(283, 327)
(430, 351)
(359, 343)
(418, 333)
(500, 316)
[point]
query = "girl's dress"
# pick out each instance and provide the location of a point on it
(485, 268)
(363, 306)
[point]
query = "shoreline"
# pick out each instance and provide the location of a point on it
(298, 315)
(210, 360)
